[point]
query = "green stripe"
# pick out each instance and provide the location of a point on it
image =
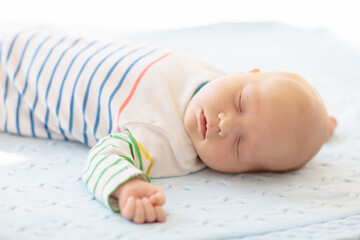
(142, 173)
(128, 159)
(98, 145)
(84, 172)
(137, 149)
(101, 160)
(87, 181)
(129, 143)
(102, 173)
(107, 182)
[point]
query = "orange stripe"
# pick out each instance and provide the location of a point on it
(135, 86)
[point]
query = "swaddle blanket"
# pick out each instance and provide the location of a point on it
(43, 197)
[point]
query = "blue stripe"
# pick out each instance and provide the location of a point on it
(37, 85)
(49, 85)
(71, 113)
(31, 63)
(62, 86)
(15, 75)
(11, 46)
(120, 83)
(88, 89)
(27, 74)
(22, 56)
(7, 79)
(5, 96)
(102, 87)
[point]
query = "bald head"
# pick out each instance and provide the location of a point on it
(255, 121)
(300, 125)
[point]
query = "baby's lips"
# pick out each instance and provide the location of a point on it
(203, 124)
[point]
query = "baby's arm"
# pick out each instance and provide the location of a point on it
(114, 175)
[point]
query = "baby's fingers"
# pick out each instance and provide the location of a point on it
(149, 210)
(139, 216)
(160, 214)
(128, 211)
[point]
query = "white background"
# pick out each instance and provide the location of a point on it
(340, 16)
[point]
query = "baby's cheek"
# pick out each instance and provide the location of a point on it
(220, 153)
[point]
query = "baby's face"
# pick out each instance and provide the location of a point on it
(256, 122)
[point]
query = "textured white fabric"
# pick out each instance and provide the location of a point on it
(42, 196)
(82, 89)
(66, 87)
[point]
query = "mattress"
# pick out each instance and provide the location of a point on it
(43, 197)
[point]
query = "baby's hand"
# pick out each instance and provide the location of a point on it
(140, 201)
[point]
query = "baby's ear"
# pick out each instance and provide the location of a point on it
(332, 125)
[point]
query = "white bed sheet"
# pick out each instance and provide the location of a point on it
(43, 197)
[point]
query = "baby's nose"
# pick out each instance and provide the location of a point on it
(228, 124)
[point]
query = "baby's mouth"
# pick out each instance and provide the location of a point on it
(203, 123)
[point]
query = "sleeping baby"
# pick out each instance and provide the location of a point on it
(150, 112)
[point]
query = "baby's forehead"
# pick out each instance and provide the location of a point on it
(285, 85)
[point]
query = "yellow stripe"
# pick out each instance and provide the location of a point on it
(147, 156)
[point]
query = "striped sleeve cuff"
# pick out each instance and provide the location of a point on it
(109, 174)
(112, 162)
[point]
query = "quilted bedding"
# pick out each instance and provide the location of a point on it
(43, 197)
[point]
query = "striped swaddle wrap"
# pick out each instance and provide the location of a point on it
(126, 100)
(61, 87)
